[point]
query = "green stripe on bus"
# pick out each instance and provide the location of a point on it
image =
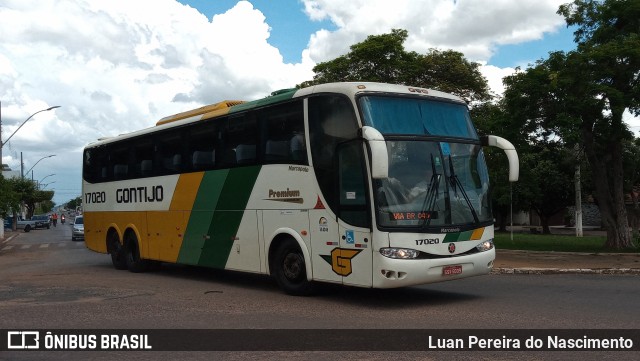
(457, 237)
(280, 96)
(217, 212)
(202, 212)
(226, 219)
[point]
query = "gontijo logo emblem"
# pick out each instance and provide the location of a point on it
(340, 260)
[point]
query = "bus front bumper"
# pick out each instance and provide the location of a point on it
(391, 273)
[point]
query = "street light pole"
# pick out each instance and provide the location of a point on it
(40, 181)
(31, 116)
(5, 142)
(49, 156)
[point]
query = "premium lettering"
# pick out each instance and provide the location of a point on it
(283, 194)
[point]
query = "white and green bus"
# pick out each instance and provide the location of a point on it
(361, 184)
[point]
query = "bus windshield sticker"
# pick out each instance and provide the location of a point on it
(446, 150)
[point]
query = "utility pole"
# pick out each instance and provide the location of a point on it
(1, 169)
(578, 190)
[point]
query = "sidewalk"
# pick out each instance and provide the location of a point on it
(529, 262)
(8, 235)
(523, 262)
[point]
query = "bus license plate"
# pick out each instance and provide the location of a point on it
(451, 270)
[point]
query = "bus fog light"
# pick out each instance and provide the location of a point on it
(399, 253)
(485, 246)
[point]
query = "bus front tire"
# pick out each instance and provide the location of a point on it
(289, 269)
(132, 255)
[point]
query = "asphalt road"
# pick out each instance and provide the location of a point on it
(49, 282)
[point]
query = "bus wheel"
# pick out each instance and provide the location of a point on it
(117, 252)
(289, 269)
(132, 255)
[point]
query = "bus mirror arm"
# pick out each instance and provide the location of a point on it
(379, 155)
(509, 150)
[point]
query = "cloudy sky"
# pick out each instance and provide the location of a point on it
(114, 66)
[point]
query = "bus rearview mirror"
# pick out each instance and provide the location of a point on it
(379, 155)
(509, 150)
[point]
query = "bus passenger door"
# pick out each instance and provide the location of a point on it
(354, 261)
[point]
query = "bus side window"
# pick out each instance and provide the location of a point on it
(242, 135)
(143, 158)
(332, 120)
(202, 139)
(95, 165)
(282, 130)
(246, 153)
(120, 171)
(352, 184)
(169, 153)
(120, 159)
(146, 167)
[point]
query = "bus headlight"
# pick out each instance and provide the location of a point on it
(485, 246)
(399, 253)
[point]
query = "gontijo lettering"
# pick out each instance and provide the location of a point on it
(140, 194)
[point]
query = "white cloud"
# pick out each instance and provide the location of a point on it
(115, 66)
(474, 27)
(119, 65)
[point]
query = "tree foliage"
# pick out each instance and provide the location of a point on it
(9, 200)
(15, 192)
(579, 98)
(74, 203)
(382, 58)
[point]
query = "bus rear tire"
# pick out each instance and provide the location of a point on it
(289, 269)
(117, 252)
(135, 264)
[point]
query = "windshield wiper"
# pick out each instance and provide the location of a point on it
(432, 195)
(455, 181)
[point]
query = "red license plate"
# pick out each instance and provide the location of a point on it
(451, 270)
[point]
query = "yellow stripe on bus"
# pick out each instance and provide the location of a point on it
(186, 191)
(477, 234)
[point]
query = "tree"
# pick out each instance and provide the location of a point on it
(382, 58)
(602, 76)
(632, 182)
(550, 174)
(25, 192)
(74, 203)
(579, 98)
(491, 118)
(9, 200)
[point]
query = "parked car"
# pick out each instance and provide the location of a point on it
(42, 221)
(26, 225)
(77, 234)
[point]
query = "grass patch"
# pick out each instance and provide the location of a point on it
(553, 242)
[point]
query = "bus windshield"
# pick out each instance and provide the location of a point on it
(433, 184)
(417, 116)
(434, 180)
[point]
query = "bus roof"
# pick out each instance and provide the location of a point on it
(233, 106)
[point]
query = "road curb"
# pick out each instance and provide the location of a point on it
(7, 239)
(544, 271)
